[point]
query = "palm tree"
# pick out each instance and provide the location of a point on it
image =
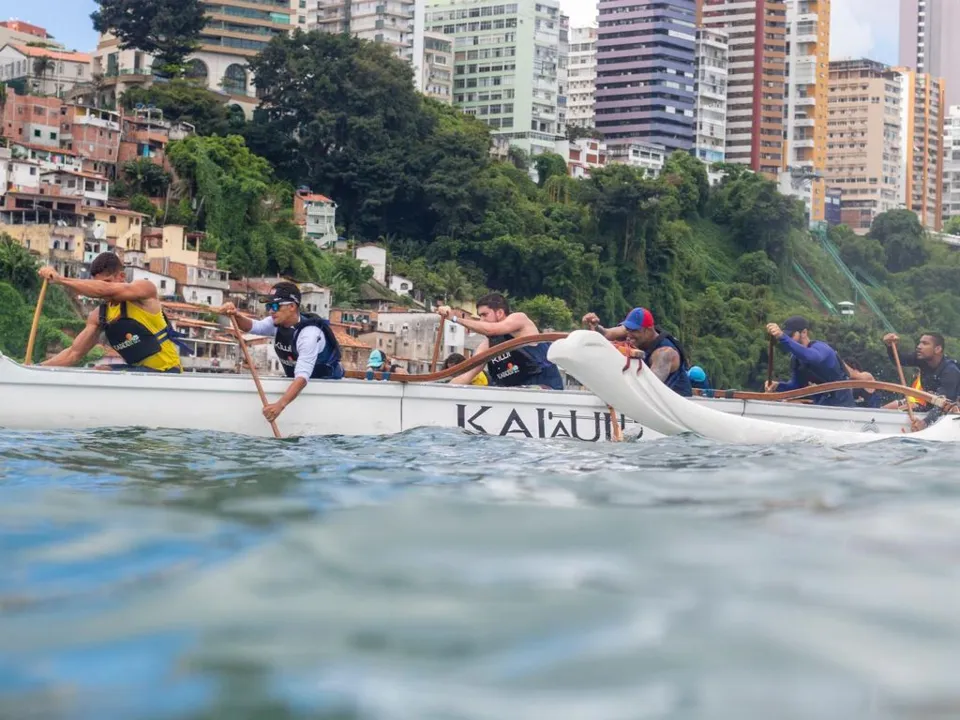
(41, 65)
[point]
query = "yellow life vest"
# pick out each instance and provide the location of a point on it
(480, 379)
(916, 385)
(133, 332)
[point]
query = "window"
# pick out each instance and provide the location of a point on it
(37, 133)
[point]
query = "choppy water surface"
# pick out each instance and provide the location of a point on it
(149, 574)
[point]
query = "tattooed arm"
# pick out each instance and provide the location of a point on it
(664, 361)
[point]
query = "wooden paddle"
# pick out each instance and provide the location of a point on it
(28, 358)
(935, 400)
(437, 345)
(903, 381)
(770, 359)
(253, 371)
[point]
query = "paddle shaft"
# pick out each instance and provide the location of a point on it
(28, 358)
(903, 381)
(437, 345)
(770, 359)
(253, 371)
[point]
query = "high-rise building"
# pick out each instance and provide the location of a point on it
(236, 31)
(710, 111)
(563, 75)
(506, 58)
(951, 163)
(864, 139)
(756, 79)
(645, 64)
(386, 21)
(921, 152)
(807, 98)
(435, 72)
(928, 41)
(582, 77)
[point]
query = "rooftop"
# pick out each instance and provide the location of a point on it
(43, 148)
(39, 52)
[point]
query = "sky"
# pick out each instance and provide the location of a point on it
(859, 28)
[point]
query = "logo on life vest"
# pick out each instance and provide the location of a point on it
(128, 343)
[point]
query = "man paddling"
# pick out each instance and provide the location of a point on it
(662, 352)
(812, 362)
(305, 344)
(130, 317)
(523, 367)
(938, 374)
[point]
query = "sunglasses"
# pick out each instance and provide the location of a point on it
(275, 306)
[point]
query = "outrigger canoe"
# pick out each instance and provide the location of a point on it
(637, 392)
(39, 398)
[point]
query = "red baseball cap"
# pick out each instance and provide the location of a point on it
(638, 318)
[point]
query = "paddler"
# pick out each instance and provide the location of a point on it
(305, 343)
(662, 352)
(812, 362)
(131, 318)
(938, 374)
(522, 367)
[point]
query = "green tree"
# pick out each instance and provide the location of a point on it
(547, 313)
(167, 29)
(549, 165)
(185, 101)
(144, 177)
(358, 124)
(952, 225)
(902, 237)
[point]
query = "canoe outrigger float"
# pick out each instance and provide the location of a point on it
(637, 392)
(39, 398)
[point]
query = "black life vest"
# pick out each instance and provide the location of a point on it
(133, 340)
(523, 366)
(806, 372)
(678, 380)
(930, 380)
(328, 360)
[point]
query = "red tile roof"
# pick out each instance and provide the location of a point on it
(38, 52)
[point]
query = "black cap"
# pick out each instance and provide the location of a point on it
(283, 292)
(795, 324)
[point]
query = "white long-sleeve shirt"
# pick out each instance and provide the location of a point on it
(310, 343)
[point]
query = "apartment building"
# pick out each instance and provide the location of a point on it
(506, 64)
(928, 41)
(807, 99)
(650, 158)
(385, 21)
(710, 110)
(42, 70)
(951, 163)
(645, 72)
(921, 151)
(317, 217)
(582, 77)
(756, 79)
(236, 31)
(435, 70)
(563, 74)
(18, 32)
(864, 139)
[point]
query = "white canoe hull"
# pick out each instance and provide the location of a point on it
(36, 398)
(644, 398)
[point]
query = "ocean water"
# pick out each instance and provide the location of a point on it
(150, 574)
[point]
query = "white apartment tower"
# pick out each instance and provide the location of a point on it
(710, 110)
(951, 163)
(386, 21)
(582, 77)
(563, 75)
(506, 65)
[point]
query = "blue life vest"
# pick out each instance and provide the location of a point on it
(678, 380)
(523, 366)
(328, 360)
(835, 372)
